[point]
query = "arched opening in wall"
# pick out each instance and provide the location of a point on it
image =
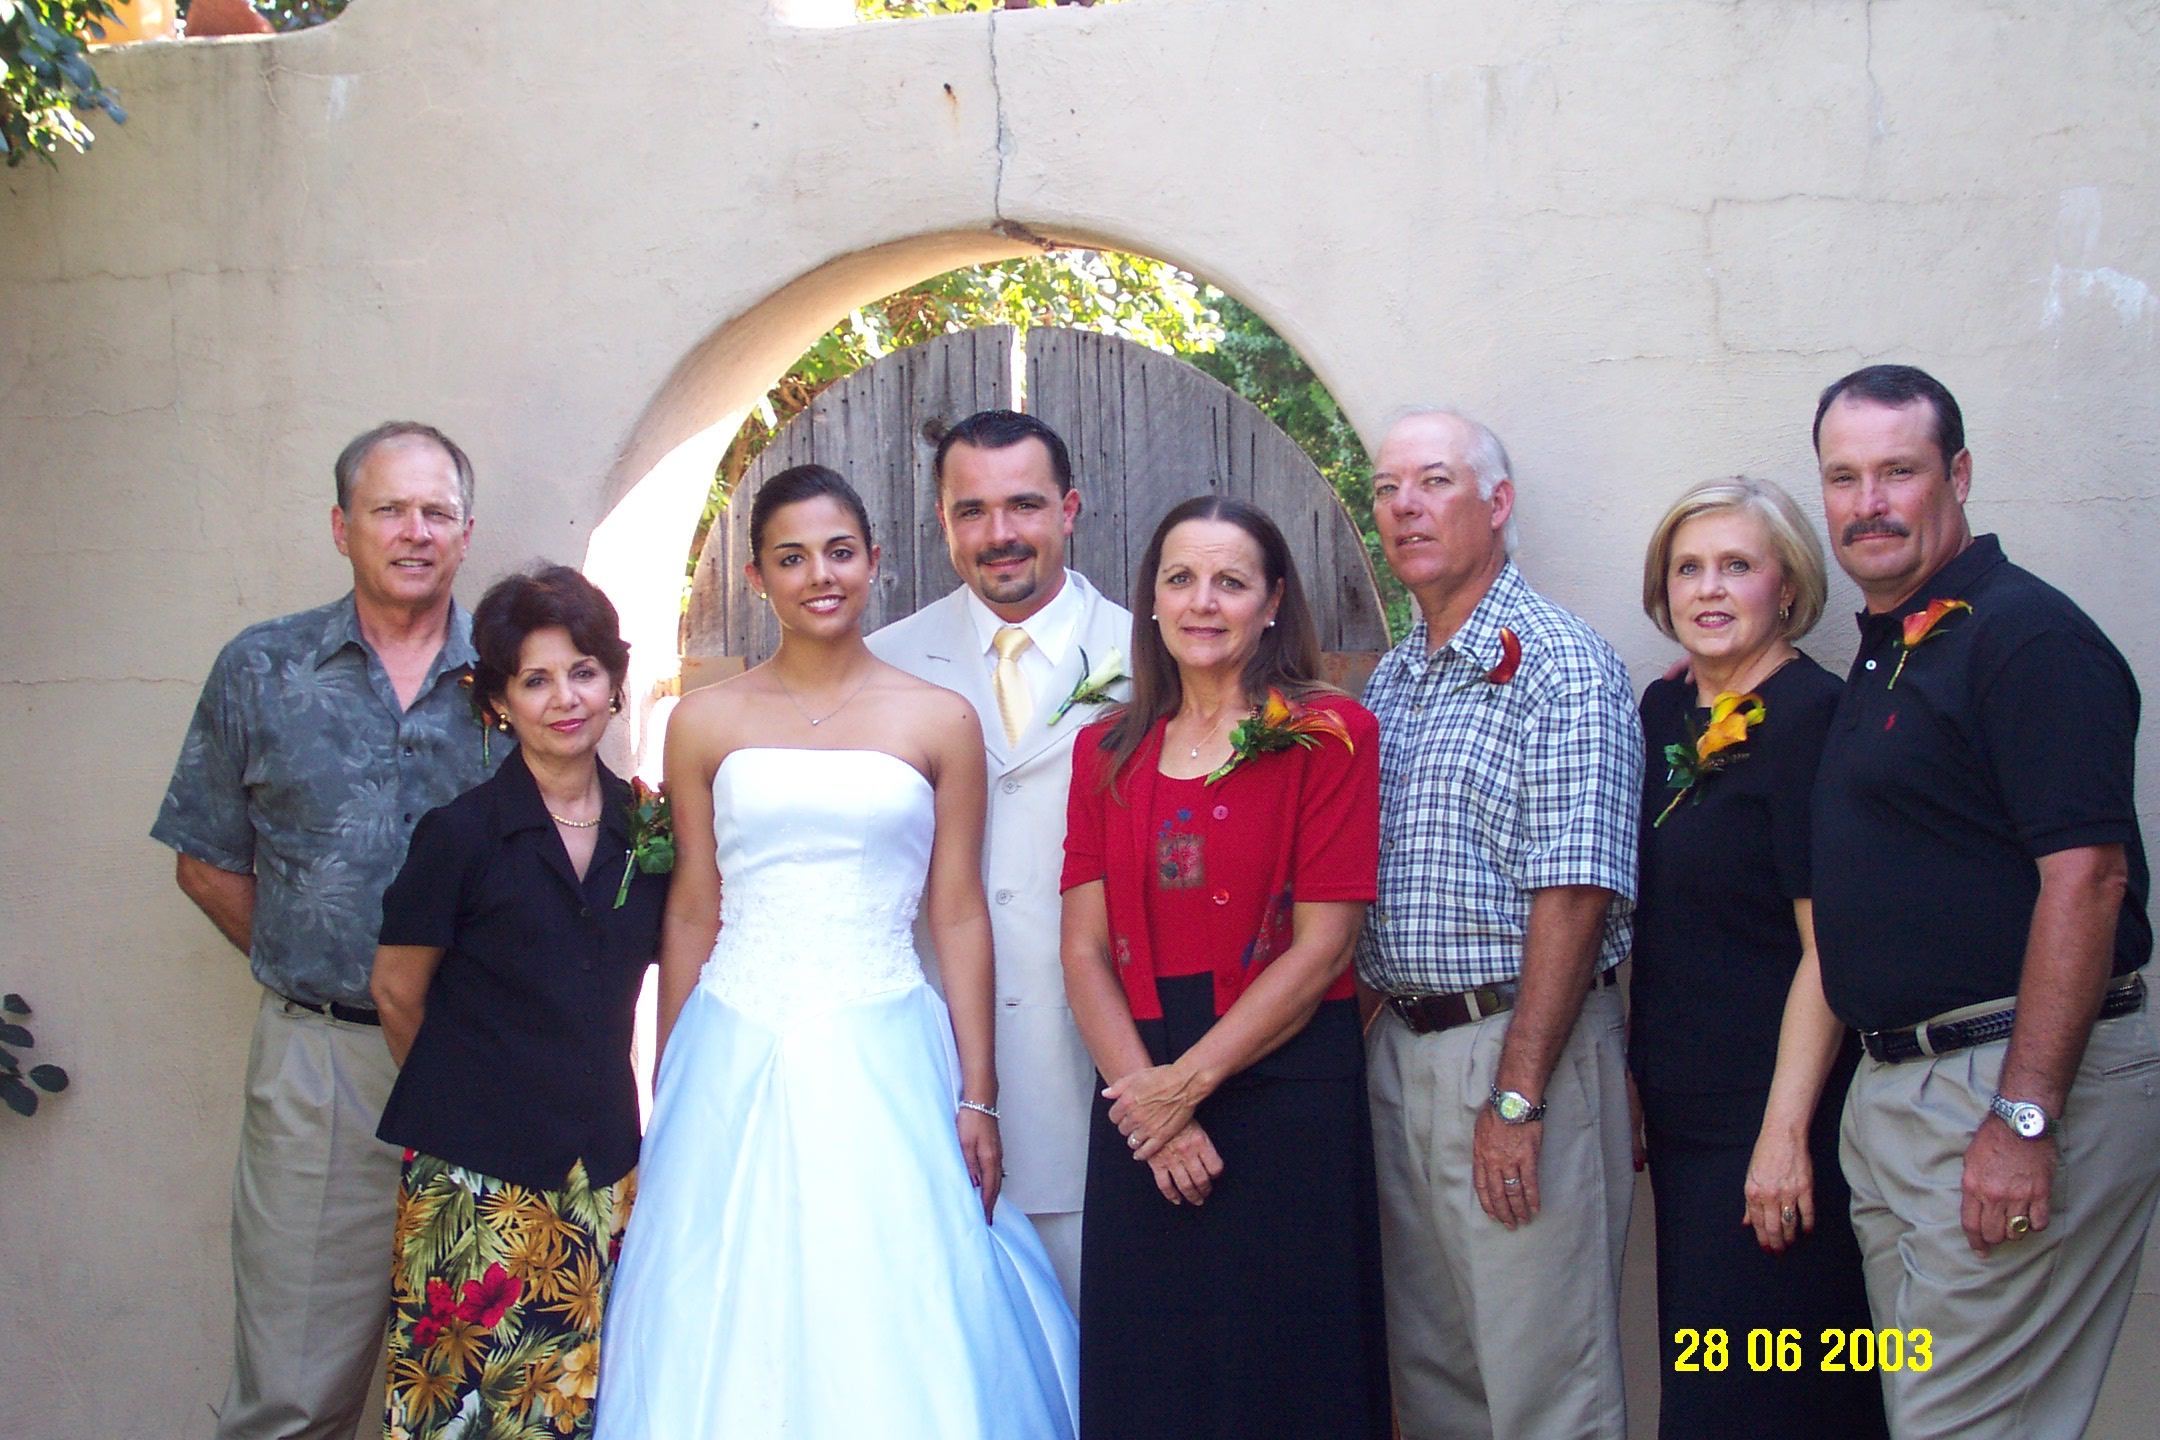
(725, 411)
(704, 430)
(1162, 387)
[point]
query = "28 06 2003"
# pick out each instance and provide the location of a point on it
(1835, 1350)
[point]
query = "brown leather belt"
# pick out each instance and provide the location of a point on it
(1430, 1014)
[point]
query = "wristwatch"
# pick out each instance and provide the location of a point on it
(1514, 1108)
(2026, 1120)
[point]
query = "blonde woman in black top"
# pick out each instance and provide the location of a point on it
(1741, 1066)
(513, 946)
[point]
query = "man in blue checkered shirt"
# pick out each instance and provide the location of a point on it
(1511, 764)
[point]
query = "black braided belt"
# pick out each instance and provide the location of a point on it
(1940, 1037)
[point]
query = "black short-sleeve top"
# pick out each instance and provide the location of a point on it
(2008, 735)
(1716, 942)
(522, 1065)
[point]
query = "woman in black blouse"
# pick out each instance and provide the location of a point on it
(513, 946)
(1741, 1066)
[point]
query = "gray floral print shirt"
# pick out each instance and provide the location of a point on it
(299, 768)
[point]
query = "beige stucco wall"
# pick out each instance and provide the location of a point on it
(1636, 237)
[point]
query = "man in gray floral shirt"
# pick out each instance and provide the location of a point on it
(320, 739)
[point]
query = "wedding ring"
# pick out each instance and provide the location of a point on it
(1788, 1214)
(2018, 1226)
(1511, 1182)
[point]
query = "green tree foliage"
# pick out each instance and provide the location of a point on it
(1259, 364)
(48, 76)
(1142, 300)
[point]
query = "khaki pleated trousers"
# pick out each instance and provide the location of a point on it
(2020, 1340)
(314, 1204)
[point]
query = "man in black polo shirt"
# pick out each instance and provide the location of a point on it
(1980, 910)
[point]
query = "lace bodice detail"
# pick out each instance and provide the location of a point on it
(822, 857)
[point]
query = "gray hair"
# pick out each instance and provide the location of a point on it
(1488, 457)
(355, 455)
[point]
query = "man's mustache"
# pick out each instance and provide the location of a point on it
(1884, 526)
(1016, 550)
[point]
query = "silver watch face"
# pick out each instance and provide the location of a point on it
(1512, 1107)
(2028, 1120)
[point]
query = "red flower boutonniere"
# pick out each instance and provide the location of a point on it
(1510, 662)
(483, 713)
(1277, 725)
(1690, 762)
(652, 836)
(1922, 626)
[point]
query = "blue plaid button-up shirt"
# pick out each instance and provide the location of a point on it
(1489, 792)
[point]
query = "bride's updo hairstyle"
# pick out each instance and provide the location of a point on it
(794, 485)
(517, 605)
(1287, 658)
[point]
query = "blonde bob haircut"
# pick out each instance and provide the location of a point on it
(1792, 540)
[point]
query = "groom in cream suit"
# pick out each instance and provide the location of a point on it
(1018, 638)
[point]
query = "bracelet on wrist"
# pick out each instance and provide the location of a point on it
(989, 1110)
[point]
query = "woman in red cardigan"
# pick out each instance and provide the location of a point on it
(1222, 844)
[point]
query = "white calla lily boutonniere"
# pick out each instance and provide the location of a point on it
(1094, 686)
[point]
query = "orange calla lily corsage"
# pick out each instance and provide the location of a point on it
(1732, 716)
(1277, 724)
(1920, 626)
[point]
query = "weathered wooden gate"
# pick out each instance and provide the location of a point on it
(1146, 430)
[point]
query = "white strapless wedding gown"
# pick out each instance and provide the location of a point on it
(807, 1257)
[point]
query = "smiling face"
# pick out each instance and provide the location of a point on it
(406, 530)
(1006, 524)
(814, 567)
(557, 701)
(1212, 597)
(1724, 587)
(1895, 507)
(1437, 532)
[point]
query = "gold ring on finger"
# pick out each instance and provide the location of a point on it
(2018, 1226)
(1788, 1214)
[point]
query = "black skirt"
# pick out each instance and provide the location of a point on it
(1259, 1313)
(1711, 1274)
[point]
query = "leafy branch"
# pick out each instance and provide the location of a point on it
(48, 76)
(20, 1097)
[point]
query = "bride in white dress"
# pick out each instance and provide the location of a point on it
(817, 1248)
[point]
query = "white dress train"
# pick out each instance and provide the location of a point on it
(807, 1256)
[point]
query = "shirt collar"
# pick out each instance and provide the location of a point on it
(521, 808)
(1478, 641)
(342, 628)
(1951, 582)
(1049, 629)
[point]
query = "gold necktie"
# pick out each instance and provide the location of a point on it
(1016, 705)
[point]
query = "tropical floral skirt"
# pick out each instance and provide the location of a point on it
(496, 1297)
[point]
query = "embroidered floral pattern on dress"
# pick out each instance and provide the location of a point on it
(782, 957)
(1180, 855)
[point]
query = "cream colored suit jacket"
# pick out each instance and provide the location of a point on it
(1046, 1081)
